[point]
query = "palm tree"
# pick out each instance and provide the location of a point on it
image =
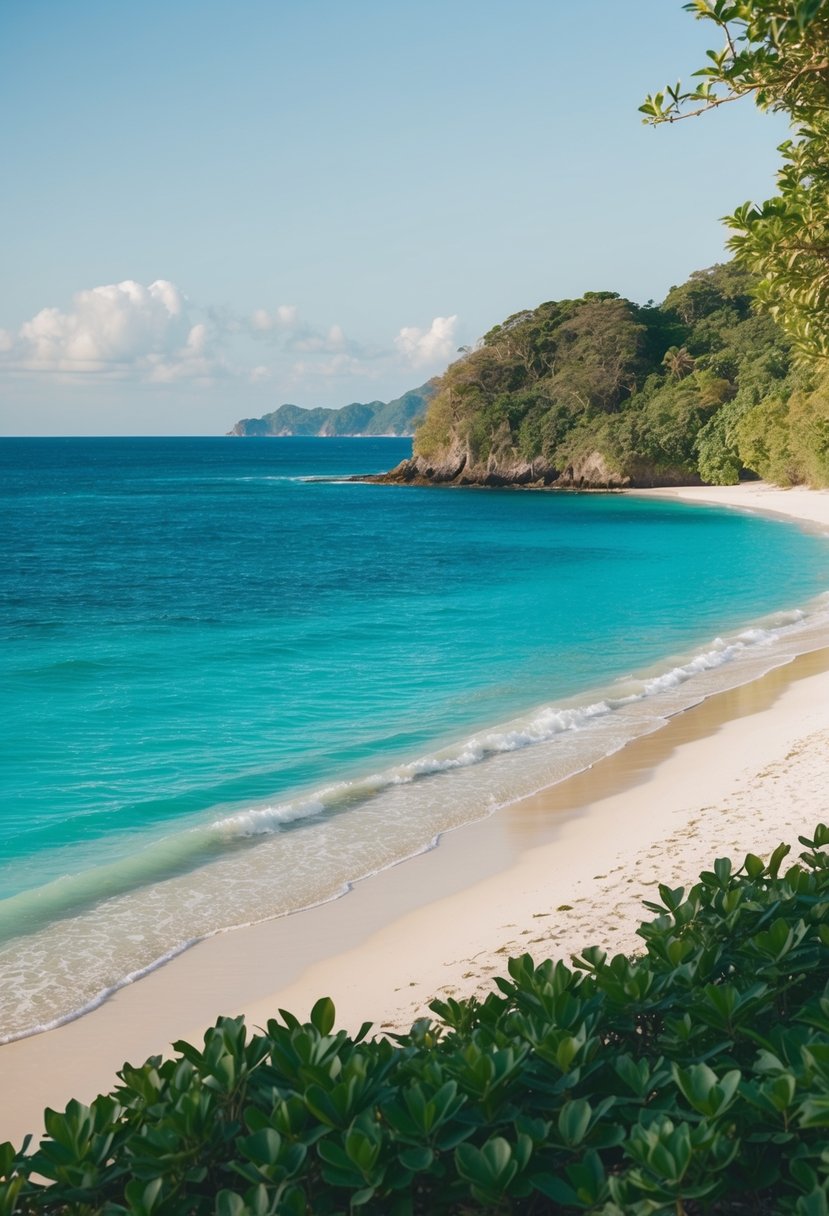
(678, 362)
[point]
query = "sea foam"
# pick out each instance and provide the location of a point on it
(759, 648)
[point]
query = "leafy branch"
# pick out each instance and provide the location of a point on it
(776, 51)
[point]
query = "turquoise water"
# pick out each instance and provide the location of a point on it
(233, 682)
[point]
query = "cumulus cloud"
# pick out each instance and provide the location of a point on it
(342, 364)
(156, 335)
(122, 330)
(425, 346)
(332, 342)
(285, 317)
(284, 327)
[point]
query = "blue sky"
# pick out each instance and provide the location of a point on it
(211, 208)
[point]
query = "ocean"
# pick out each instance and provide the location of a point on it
(234, 682)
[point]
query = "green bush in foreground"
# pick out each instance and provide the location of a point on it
(694, 1079)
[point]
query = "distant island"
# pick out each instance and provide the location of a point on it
(398, 418)
(599, 392)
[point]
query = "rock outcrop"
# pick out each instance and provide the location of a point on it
(591, 472)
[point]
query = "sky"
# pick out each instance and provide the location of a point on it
(210, 208)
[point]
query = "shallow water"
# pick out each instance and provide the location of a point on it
(231, 688)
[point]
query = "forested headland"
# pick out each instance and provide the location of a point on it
(600, 391)
(729, 376)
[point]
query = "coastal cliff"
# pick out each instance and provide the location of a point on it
(602, 393)
(395, 418)
(591, 471)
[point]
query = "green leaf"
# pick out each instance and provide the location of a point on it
(776, 859)
(671, 897)
(417, 1159)
(555, 1188)
(323, 1015)
(228, 1203)
(293, 1203)
(813, 1205)
(573, 1121)
(143, 1199)
(754, 866)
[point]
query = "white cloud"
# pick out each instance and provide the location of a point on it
(332, 342)
(285, 317)
(425, 346)
(285, 328)
(334, 365)
(261, 321)
(155, 335)
(122, 330)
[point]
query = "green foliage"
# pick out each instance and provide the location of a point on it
(762, 436)
(534, 377)
(776, 52)
(598, 387)
(692, 1079)
(809, 433)
(718, 460)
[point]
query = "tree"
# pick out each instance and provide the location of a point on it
(776, 51)
(600, 353)
(678, 362)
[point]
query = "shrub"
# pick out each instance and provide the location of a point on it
(694, 1079)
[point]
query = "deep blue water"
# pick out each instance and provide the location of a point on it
(191, 628)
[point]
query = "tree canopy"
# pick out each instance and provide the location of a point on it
(777, 52)
(600, 390)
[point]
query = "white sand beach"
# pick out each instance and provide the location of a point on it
(566, 868)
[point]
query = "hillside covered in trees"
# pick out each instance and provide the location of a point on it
(600, 391)
(398, 417)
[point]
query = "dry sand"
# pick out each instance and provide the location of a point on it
(564, 869)
(810, 507)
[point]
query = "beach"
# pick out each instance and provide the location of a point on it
(563, 869)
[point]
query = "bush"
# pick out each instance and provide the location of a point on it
(694, 1079)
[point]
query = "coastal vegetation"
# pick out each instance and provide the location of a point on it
(602, 391)
(728, 377)
(774, 52)
(693, 1079)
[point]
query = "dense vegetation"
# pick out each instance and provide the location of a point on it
(602, 390)
(398, 417)
(775, 52)
(694, 1079)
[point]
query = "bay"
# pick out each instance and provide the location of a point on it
(234, 681)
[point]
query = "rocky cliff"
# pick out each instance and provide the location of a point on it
(592, 471)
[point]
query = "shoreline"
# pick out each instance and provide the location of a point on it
(798, 504)
(450, 917)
